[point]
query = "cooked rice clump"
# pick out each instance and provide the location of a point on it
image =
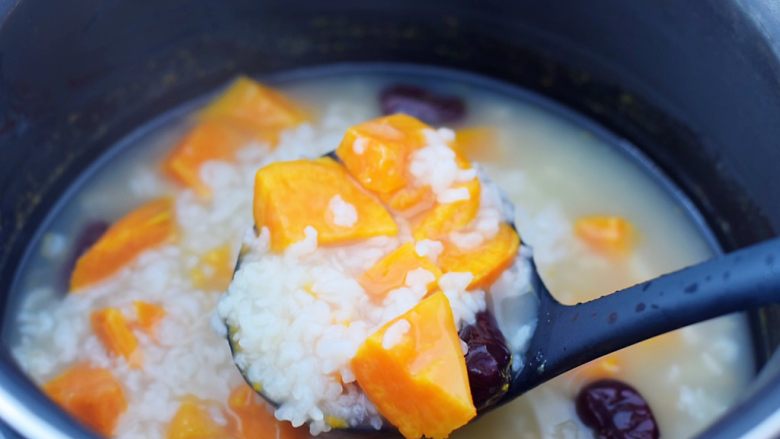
(189, 355)
(307, 334)
(297, 318)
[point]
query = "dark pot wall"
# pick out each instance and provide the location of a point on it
(695, 84)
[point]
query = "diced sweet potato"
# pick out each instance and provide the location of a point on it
(208, 141)
(115, 334)
(258, 110)
(442, 219)
(410, 199)
(611, 236)
(605, 367)
(255, 418)
(390, 271)
(148, 315)
(486, 261)
(290, 196)
(246, 111)
(148, 226)
(377, 152)
(214, 270)
(335, 422)
(417, 378)
(193, 421)
(90, 394)
(477, 143)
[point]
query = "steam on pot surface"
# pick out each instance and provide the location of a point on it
(401, 252)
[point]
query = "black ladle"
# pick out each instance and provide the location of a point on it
(569, 336)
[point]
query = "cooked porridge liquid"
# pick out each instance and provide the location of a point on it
(554, 170)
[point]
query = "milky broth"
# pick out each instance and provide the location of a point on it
(555, 168)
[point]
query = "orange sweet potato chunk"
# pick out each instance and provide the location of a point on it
(193, 421)
(608, 366)
(90, 394)
(148, 315)
(290, 196)
(486, 261)
(255, 419)
(260, 111)
(148, 226)
(377, 152)
(611, 236)
(209, 140)
(439, 221)
(115, 334)
(418, 382)
(477, 143)
(214, 270)
(390, 271)
(410, 199)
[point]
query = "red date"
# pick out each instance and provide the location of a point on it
(422, 104)
(615, 410)
(488, 360)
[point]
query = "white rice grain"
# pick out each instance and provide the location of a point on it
(359, 145)
(435, 165)
(429, 248)
(395, 333)
(343, 214)
(453, 195)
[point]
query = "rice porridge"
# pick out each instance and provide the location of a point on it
(567, 184)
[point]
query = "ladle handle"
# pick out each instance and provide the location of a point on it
(568, 336)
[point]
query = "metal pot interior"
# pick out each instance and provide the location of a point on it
(693, 86)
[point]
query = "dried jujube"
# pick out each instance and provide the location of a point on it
(423, 104)
(615, 410)
(488, 360)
